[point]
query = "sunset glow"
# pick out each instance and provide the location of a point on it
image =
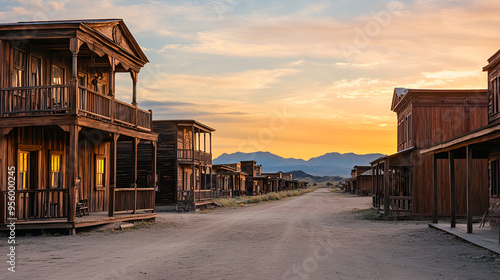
(296, 78)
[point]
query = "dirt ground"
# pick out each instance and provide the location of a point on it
(320, 235)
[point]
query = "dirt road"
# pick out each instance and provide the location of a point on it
(315, 236)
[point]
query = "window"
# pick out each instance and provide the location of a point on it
(57, 75)
(36, 71)
(23, 169)
(99, 173)
(55, 170)
(82, 80)
(18, 68)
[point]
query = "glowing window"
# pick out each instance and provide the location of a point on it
(23, 169)
(55, 171)
(99, 177)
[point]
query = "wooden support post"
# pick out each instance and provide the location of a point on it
(386, 186)
(468, 170)
(135, 142)
(373, 186)
(451, 158)
(134, 95)
(153, 171)
(112, 71)
(112, 174)
(72, 172)
(435, 192)
(74, 45)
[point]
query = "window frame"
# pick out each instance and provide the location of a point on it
(103, 185)
(63, 73)
(20, 69)
(23, 175)
(60, 174)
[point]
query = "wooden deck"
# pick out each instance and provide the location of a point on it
(94, 219)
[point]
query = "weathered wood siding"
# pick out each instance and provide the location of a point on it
(433, 124)
(166, 165)
(46, 139)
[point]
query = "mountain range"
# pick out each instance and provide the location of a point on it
(330, 164)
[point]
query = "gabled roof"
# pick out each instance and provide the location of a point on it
(119, 37)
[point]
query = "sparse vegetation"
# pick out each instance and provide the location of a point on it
(241, 201)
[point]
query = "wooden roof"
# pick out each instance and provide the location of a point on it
(403, 96)
(188, 123)
(103, 36)
(492, 61)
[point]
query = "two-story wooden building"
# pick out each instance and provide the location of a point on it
(403, 182)
(228, 180)
(61, 124)
(459, 155)
(360, 182)
(184, 162)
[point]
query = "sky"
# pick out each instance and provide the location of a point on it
(296, 78)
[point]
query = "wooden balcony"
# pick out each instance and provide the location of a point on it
(62, 100)
(190, 155)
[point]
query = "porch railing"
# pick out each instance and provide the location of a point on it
(35, 100)
(36, 204)
(61, 99)
(195, 196)
(133, 200)
(190, 155)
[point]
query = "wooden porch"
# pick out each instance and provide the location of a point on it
(49, 208)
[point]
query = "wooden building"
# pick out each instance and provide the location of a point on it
(184, 162)
(229, 180)
(460, 154)
(61, 125)
(403, 182)
(360, 182)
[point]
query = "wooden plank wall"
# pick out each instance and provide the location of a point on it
(434, 124)
(166, 162)
(124, 164)
(55, 139)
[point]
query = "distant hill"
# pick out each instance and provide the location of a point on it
(331, 164)
(302, 176)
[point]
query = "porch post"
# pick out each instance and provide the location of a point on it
(72, 172)
(153, 172)
(451, 158)
(134, 95)
(435, 199)
(74, 46)
(386, 186)
(468, 157)
(112, 174)
(135, 142)
(112, 88)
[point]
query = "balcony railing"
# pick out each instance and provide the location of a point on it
(190, 155)
(133, 200)
(60, 99)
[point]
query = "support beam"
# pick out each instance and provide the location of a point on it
(435, 192)
(135, 142)
(468, 158)
(74, 45)
(72, 172)
(112, 174)
(453, 217)
(386, 186)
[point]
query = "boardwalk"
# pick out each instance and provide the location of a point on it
(316, 236)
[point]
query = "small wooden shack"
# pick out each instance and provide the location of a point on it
(61, 125)
(403, 182)
(361, 180)
(184, 162)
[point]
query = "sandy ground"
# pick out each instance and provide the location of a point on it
(320, 235)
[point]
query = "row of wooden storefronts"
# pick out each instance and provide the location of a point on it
(447, 160)
(72, 155)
